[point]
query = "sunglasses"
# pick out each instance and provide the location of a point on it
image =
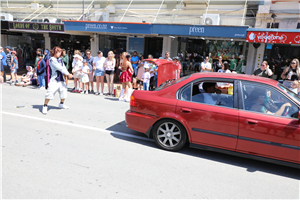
(88, 54)
(293, 63)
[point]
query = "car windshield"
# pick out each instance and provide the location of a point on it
(291, 93)
(169, 83)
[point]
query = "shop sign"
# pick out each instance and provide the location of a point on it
(42, 27)
(273, 37)
(138, 28)
(202, 31)
(5, 32)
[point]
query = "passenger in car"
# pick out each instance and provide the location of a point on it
(258, 98)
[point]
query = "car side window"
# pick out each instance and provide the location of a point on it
(267, 100)
(211, 93)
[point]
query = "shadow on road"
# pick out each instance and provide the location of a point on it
(249, 164)
(40, 107)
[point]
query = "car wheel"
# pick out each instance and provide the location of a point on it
(169, 135)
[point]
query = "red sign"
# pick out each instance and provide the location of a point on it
(273, 37)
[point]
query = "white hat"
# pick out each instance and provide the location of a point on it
(146, 66)
(78, 56)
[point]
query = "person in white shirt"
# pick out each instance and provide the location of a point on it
(146, 78)
(77, 64)
(205, 66)
(84, 77)
(225, 68)
(57, 82)
(98, 67)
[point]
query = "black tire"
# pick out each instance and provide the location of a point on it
(169, 135)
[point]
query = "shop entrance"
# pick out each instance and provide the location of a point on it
(153, 46)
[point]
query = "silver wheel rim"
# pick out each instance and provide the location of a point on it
(168, 134)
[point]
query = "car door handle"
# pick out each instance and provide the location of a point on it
(185, 110)
(251, 122)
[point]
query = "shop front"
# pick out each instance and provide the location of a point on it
(193, 42)
(117, 36)
(277, 46)
(26, 37)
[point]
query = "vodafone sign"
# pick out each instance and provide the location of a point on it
(273, 37)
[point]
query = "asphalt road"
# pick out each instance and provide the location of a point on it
(88, 152)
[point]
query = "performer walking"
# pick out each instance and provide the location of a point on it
(57, 82)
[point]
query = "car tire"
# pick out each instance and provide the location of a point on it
(169, 135)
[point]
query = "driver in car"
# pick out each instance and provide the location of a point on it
(209, 89)
(258, 97)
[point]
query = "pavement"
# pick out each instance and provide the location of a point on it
(87, 152)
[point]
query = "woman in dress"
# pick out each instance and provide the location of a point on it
(127, 72)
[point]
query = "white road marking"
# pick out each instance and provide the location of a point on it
(77, 125)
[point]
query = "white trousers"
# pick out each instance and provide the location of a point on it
(54, 87)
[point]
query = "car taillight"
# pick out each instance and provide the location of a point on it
(132, 101)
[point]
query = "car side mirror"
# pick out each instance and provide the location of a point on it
(299, 115)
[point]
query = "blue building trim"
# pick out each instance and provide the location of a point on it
(202, 31)
(106, 27)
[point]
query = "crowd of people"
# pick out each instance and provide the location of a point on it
(132, 72)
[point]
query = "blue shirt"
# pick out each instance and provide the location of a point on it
(89, 62)
(3, 58)
(134, 59)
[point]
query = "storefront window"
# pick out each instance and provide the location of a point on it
(70, 42)
(112, 43)
(279, 57)
(25, 45)
(136, 44)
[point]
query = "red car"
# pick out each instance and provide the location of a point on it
(241, 115)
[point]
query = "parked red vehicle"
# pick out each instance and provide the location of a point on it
(236, 114)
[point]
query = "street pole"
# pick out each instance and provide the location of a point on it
(82, 9)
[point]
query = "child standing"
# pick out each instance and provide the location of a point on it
(146, 78)
(15, 66)
(41, 71)
(84, 77)
(77, 64)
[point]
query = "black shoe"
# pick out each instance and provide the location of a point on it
(92, 92)
(89, 92)
(73, 89)
(16, 81)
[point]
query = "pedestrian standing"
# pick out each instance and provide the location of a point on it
(3, 64)
(38, 51)
(9, 61)
(98, 65)
(125, 77)
(65, 59)
(218, 64)
(41, 71)
(176, 59)
(206, 66)
(146, 78)
(89, 59)
(48, 68)
(84, 77)
(57, 83)
(167, 56)
(77, 64)
(109, 66)
(134, 62)
(15, 66)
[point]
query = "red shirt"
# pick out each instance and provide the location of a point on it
(38, 64)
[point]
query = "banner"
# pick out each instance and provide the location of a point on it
(108, 27)
(201, 31)
(42, 27)
(273, 37)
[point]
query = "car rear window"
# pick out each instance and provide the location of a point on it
(169, 83)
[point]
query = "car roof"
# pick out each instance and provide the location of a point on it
(235, 76)
(160, 61)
